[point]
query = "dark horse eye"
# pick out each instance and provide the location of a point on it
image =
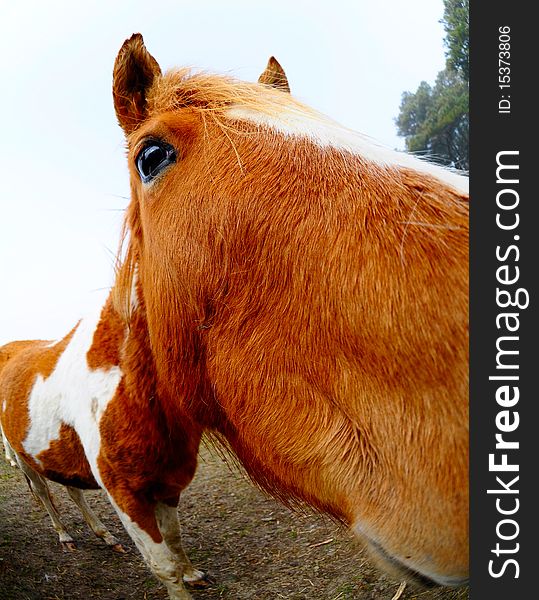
(153, 158)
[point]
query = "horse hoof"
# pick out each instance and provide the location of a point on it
(119, 548)
(69, 546)
(202, 582)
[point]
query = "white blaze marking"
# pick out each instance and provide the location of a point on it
(327, 133)
(68, 396)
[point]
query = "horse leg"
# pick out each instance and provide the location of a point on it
(163, 562)
(8, 451)
(40, 488)
(169, 525)
(93, 521)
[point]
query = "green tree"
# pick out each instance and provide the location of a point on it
(456, 22)
(434, 119)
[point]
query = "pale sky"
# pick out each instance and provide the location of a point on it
(63, 173)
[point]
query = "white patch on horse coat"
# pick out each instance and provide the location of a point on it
(327, 133)
(165, 565)
(67, 396)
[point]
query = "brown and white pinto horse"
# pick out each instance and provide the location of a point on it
(305, 296)
(25, 412)
(52, 399)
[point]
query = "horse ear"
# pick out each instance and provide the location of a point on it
(274, 75)
(135, 70)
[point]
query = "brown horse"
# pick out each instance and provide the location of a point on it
(300, 292)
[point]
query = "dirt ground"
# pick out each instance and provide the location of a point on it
(253, 548)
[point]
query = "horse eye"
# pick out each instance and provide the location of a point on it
(153, 158)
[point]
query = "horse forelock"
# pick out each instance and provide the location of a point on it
(209, 92)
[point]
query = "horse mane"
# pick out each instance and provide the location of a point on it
(125, 267)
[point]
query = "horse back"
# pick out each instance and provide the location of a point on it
(63, 459)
